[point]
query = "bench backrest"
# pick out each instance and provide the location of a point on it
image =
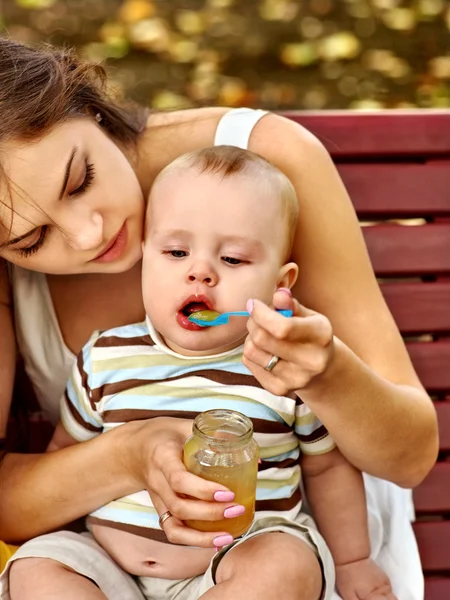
(396, 167)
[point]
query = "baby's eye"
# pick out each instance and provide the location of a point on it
(232, 261)
(178, 253)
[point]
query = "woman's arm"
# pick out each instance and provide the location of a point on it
(370, 399)
(42, 492)
(7, 349)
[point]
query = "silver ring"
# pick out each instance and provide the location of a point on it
(272, 362)
(163, 518)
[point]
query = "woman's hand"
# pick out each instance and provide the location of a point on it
(303, 344)
(159, 468)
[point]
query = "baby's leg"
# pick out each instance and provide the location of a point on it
(66, 566)
(267, 566)
(46, 579)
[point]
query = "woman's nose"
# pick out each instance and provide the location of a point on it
(87, 233)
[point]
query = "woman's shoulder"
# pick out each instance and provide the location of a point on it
(170, 134)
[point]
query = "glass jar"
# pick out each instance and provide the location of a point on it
(222, 449)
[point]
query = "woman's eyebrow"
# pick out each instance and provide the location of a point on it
(67, 172)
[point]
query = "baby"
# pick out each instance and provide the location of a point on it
(220, 226)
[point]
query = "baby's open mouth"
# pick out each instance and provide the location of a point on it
(193, 307)
(193, 304)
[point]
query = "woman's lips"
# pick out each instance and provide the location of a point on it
(115, 248)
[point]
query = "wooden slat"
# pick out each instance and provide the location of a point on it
(433, 539)
(433, 494)
(432, 363)
(395, 133)
(419, 307)
(399, 189)
(437, 588)
(409, 250)
(443, 413)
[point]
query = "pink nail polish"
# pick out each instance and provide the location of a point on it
(286, 291)
(234, 511)
(222, 496)
(250, 305)
(223, 540)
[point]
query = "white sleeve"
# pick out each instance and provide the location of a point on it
(236, 126)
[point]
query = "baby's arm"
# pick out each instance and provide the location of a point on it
(335, 492)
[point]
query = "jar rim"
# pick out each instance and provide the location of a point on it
(243, 426)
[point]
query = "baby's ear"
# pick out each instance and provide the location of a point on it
(288, 275)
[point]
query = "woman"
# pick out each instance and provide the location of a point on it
(74, 172)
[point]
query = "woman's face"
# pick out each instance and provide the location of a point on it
(74, 204)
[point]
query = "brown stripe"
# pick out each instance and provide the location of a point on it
(107, 341)
(281, 503)
(138, 414)
(287, 462)
(152, 534)
(215, 375)
(78, 418)
(315, 436)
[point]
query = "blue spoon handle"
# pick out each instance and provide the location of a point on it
(244, 313)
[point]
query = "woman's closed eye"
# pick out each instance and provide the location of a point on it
(29, 250)
(89, 175)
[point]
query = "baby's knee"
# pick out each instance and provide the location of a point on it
(282, 561)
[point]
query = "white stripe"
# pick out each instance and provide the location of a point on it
(141, 498)
(302, 410)
(77, 431)
(276, 474)
(276, 403)
(265, 440)
(111, 352)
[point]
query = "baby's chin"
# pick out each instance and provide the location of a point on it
(194, 345)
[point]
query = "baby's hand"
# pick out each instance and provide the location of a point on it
(363, 580)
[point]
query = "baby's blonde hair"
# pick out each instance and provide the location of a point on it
(227, 161)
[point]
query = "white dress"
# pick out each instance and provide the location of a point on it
(48, 363)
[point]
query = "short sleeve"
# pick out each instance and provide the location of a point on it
(79, 416)
(312, 434)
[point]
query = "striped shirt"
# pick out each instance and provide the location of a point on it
(128, 373)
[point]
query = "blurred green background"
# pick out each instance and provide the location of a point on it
(277, 54)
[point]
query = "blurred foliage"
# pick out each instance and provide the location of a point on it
(278, 54)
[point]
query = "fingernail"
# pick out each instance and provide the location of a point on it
(250, 305)
(224, 496)
(285, 290)
(234, 511)
(259, 461)
(223, 540)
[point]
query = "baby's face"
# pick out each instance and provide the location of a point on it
(211, 243)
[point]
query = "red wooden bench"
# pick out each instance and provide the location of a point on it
(396, 166)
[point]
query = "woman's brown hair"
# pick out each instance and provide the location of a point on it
(43, 86)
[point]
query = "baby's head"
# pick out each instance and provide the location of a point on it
(220, 227)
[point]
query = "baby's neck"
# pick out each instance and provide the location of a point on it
(205, 352)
